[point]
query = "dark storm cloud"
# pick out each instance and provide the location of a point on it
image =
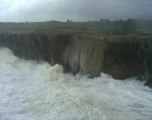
(42, 10)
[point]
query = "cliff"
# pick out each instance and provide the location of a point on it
(115, 55)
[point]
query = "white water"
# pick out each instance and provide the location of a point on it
(37, 91)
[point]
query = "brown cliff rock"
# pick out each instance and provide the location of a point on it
(115, 55)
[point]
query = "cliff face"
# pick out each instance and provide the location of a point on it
(85, 55)
(28, 46)
(116, 56)
(120, 58)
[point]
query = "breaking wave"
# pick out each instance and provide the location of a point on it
(31, 90)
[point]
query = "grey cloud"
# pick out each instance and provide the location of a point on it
(43, 10)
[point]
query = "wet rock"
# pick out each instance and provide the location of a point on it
(145, 55)
(120, 58)
(115, 55)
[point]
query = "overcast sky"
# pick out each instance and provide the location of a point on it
(78, 10)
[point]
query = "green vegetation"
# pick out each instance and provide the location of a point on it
(104, 26)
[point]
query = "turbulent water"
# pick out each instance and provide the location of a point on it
(37, 91)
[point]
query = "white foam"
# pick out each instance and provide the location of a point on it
(32, 91)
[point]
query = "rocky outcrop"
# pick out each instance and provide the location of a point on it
(120, 58)
(115, 55)
(85, 55)
(145, 55)
(28, 46)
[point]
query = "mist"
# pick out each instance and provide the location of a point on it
(45, 10)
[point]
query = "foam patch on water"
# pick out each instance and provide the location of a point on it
(31, 91)
(7, 56)
(39, 91)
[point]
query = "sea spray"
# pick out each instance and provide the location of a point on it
(39, 91)
(31, 90)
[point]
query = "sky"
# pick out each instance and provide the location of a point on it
(77, 10)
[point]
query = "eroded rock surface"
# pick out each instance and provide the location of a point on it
(115, 55)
